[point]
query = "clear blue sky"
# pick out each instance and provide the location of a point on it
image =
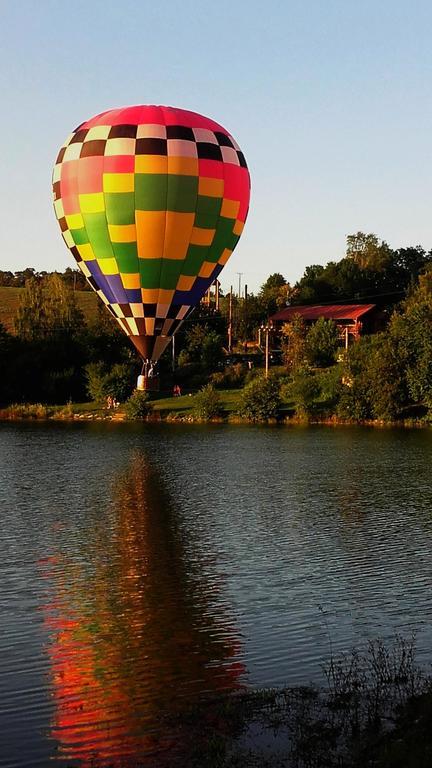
(330, 100)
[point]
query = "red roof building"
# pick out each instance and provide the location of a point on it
(353, 320)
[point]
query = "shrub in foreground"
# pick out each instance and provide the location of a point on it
(373, 710)
(137, 406)
(207, 404)
(28, 411)
(260, 399)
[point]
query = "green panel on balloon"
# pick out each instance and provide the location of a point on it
(151, 190)
(195, 257)
(150, 270)
(120, 207)
(233, 241)
(80, 236)
(222, 239)
(97, 230)
(159, 273)
(171, 269)
(182, 193)
(127, 257)
(207, 211)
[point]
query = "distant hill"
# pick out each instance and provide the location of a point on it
(9, 301)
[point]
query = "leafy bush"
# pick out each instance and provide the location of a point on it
(137, 406)
(212, 352)
(304, 390)
(260, 399)
(187, 372)
(374, 386)
(253, 374)
(119, 381)
(28, 411)
(203, 346)
(184, 358)
(294, 343)
(66, 412)
(412, 333)
(330, 384)
(116, 381)
(95, 375)
(232, 376)
(207, 404)
(322, 343)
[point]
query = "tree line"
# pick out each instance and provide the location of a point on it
(54, 356)
(74, 278)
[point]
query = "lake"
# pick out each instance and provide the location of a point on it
(144, 567)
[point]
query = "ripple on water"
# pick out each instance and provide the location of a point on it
(145, 568)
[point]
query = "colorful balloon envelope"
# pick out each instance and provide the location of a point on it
(151, 201)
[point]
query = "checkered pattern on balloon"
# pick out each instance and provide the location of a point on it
(151, 201)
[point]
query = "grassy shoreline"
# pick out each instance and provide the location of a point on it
(179, 410)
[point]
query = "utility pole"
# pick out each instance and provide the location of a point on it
(245, 316)
(230, 321)
(173, 354)
(217, 286)
(239, 287)
(266, 328)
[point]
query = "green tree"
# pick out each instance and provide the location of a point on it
(322, 343)
(260, 399)
(294, 343)
(116, 381)
(95, 375)
(212, 351)
(304, 390)
(138, 407)
(373, 380)
(30, 320)
(47, 308)
(370, 268)
(411, 330)
(368, 251)
(273, 293)
(105, 340)
(204, 346)
(61, 311)
(207, 403)
(313, 287)
(119, 381)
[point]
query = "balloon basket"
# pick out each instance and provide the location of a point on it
(148, 384)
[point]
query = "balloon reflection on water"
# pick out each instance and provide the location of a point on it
(136, 633)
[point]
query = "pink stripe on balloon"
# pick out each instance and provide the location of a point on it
(90, 171)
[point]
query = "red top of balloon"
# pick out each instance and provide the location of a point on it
(155, 114)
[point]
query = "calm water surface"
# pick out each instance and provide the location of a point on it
(144, 567)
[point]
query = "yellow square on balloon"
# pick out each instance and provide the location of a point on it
(118, 182)
(92, 203)
(108, 266)
(86, 252)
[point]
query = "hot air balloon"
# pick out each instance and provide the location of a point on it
(151, 202)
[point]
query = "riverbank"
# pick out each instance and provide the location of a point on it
(180, 410)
